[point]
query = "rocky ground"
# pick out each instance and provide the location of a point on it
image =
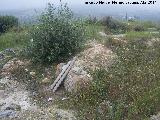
(23, 98)
(18, 102)
(18, 87)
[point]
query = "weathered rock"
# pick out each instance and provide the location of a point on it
(102, 34)
(3, 83)
(104, 107)
(152, 42)
(7, 113)
(64, 115)
(10, 50)
(32, 73)
(14, 95)
(16, 101)
(2, 86)
(4, 80)
(77, 79)
(96, 57)
(2, 93)
(105, 110)
(1, 56)
(14, 107)
(46, 81)
(155, 117)
(78, 71)
(93, 58)
(12, 65)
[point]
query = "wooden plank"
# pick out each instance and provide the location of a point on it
(65, 74)
(60, 75)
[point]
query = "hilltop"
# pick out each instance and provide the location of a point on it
(115, 75)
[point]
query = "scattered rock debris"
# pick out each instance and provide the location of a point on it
(153, 41)
(103, 34)
(155, 117)
(76, 79)
(93, 58)
(98, 56)
(16, 101)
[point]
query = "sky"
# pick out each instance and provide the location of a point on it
(28, 4)
(24, 8)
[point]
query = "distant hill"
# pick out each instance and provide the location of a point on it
(24, 16)
(29, 15)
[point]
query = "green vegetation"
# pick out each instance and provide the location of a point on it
(13, 40)
(129, 89)
(92, 31)
(7, 22)
(92, 20)
(113, 26)
(57, 36)
(113, 43)
(141, 35)
(138, 35)
(131, 85)
(140, 26)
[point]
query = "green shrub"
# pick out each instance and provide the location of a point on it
(113, 25)
(91, 20)
(131, 85)
(7, 22)
(138, 28)
(57, 36)
(148, 24)
(141, 26)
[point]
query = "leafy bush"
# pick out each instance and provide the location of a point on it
(113, 25)
(91, 20)
(138, 28)
(7, 22)
(57, 36)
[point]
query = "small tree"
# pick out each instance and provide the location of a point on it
(113, 25)
(139, 28)
(7, 22)
(57, 36)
